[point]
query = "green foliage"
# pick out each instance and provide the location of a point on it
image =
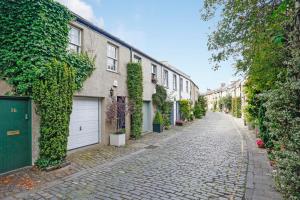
(185, 109)
(160, 100)
(35, 61)
(135, 94)
(265, 37)
(158, 119)
(53, 96)
(160, 97)
(225, 103)
(215, 106)
(236, 107)
(167, 111)
(200, 107)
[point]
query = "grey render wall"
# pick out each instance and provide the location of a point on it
(102, 80)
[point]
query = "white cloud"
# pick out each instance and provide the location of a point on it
(84, 10)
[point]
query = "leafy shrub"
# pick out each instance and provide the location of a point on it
(135, 94)
(200, 107)
(185, 109)
(158, 119)
(53, 96)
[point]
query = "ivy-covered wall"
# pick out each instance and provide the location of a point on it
(135, 95)
(34, 40)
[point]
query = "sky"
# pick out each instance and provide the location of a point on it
(167, 30)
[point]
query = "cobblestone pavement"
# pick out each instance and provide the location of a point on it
(206, 160)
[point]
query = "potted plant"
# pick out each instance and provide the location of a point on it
(179, 122)
(116, 114)
(158, 123)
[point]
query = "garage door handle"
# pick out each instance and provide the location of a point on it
(80, 128)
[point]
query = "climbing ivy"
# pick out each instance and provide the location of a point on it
(35, 61)
(135, 94)
(53, 95)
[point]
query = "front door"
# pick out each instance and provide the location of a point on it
(147, 121)
(15, 134)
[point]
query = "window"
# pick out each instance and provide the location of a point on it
(166, 78)
(181, 84)
(137, 59)
(75, 39)
(174, 82)
(187, 86)
(154, 71)
(112, 57)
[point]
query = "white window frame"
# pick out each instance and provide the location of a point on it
(154, 72)
(72, 45)
(137, 59)
(187, 86)
(166, 78)
(113, 68)
(181, 84)
(174, 82)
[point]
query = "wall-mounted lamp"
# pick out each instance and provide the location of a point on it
(111, 92)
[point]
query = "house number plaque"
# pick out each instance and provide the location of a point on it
(11, 133)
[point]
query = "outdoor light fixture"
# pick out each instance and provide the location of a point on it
(111, 91)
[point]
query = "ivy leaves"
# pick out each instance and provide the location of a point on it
(35, 61)
(135, 95)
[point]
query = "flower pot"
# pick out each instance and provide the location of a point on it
(158, 128)
(117, 139)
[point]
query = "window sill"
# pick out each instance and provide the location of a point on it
(116, 72)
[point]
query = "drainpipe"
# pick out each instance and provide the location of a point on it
(130, 54)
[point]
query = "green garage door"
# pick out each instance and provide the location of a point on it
(15, 134)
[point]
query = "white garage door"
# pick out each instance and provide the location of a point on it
(84, 122)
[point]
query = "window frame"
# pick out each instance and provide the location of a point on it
(181, 84)
(166, 78)
(154, 72)
(187, 86)
(137, 59)
(174, 82)
(77, 46)
(115, 60)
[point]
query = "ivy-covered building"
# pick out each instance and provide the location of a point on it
(88, 122)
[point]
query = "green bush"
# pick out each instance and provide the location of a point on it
(200, 107)
(135, 94)
(185, 109)
(158, 119)
(236, 107)
(53, 96)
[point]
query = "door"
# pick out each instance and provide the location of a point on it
(84, 122)
(15, 134)
(173, 107)
(147, 121)
(178, 111)
(121, 122)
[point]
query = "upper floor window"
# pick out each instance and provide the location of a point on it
(137, 59)
(166, 78)
(181, 84)
(187, 86)
(154, 71)
(112, 57)
(75, 39)
(174, 82)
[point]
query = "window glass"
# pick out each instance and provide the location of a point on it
(112, 57)
(74, 39)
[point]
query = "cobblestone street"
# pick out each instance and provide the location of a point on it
(205, 161)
